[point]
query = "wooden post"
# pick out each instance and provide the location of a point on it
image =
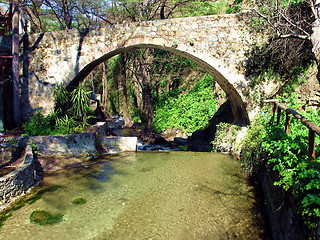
(274, 110)
(287, 124)
(279, 115)
(311, 150)
(15, 62)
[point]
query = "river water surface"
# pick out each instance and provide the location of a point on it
(146, 195)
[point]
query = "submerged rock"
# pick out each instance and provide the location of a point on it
(42, 217)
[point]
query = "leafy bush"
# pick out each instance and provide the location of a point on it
(79, 102)
(251, 144)
(38, 125)
(188, 112)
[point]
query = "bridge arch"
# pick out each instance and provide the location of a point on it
(211, 65)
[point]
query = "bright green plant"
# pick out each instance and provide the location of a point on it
(38, 125)
(80, 102)
(188, 112)
(62, 98)
(204, 8)
(70, 114)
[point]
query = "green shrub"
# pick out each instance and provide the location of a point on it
(38, 125)
(79, 103)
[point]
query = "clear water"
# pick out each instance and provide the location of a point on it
(166, 195)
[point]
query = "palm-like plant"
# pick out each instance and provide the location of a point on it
(62, 99)
(80, 102)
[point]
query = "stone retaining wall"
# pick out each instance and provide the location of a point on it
(80, 144)
(284, 222)
(17, 182)
(118, 144)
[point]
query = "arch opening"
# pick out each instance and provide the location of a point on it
(238, 108)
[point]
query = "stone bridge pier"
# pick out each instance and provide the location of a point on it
(216, 43)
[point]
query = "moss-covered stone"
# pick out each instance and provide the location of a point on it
(79, 201)
(25, 200)
(42, 217)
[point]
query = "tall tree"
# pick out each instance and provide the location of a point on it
(123, 79)
(104, 94)
(15, 62)
(315, 36)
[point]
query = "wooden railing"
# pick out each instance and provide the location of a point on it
(313, 128)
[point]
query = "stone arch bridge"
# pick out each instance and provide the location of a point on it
(216, 43)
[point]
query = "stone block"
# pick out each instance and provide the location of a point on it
(81, 144)
(118, 144)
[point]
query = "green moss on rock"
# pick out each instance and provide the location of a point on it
(78, 201)
(42, 217)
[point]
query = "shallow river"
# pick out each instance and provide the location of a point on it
(165, 195)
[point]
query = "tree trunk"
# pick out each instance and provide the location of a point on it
(146, 90)
(15, 63)
(104, 97)
(127, 120)
(315, 37)
(147, 101)
(34, 19)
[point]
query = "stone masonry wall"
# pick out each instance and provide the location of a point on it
(17, 182)
(284, 223)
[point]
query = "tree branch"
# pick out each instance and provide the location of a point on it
(268, 21)
(314, 7)
(293, 24)
(294, 35)
(305, 36)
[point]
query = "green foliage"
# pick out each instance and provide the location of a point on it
(188, 112)
(62, 98)
(38, 125)
(202, 8)
(251, 144)
(70, 115)
(235, 7)
(42, 217)
(287, 155)
(80, 102)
